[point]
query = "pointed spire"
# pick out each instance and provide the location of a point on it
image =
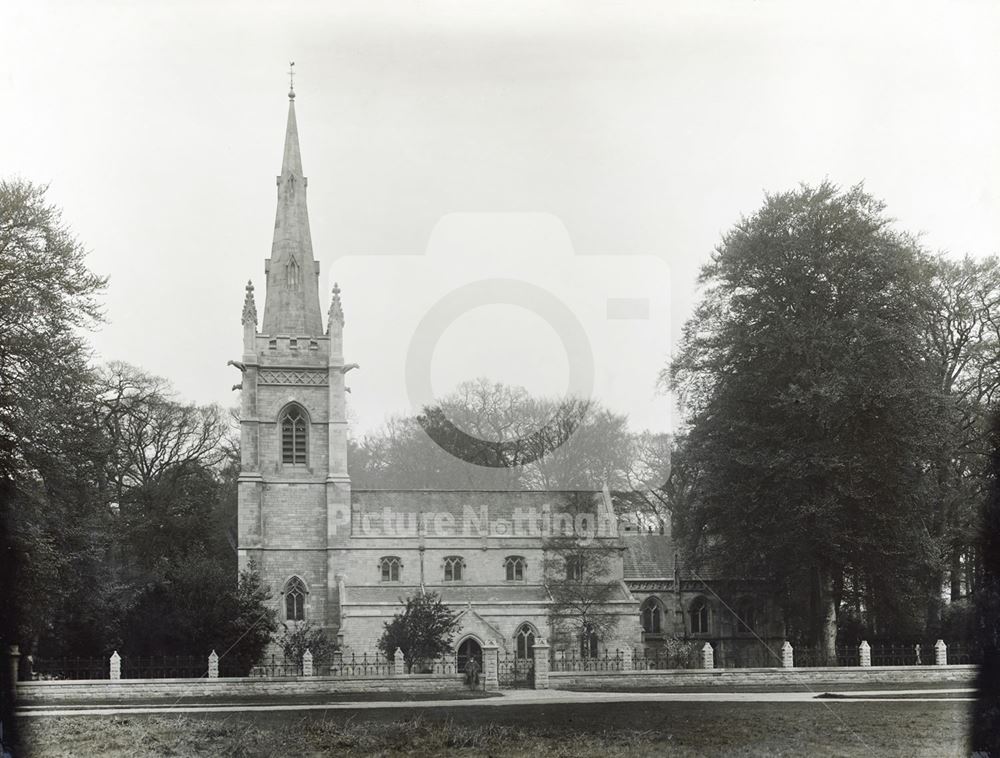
(249, 307)
(291, 161)
(336, 314)
(292, 302)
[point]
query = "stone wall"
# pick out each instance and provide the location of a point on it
(796, 678)
(125, 690)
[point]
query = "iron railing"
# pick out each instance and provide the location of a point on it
(814, 657)
(67, 668)
(684, 657)
(355, 666)
(513, 671)
(164, 667)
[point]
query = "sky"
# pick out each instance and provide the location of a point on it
(521, 190)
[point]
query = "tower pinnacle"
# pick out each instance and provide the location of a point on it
(336, 312)
(291, 80)
(249, 307)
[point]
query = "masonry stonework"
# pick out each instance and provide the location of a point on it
(299, 516)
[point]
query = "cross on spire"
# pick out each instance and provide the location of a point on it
(291, 80)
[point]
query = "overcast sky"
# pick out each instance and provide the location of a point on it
(594, 151)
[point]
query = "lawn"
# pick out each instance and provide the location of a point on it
(593, 729)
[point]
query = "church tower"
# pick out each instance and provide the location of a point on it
(294, 490)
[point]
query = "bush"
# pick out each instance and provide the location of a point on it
(301, 637)
(423, 630)
(679, 653)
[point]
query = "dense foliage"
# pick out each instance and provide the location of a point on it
(423, 630)
(117, 502)
(833, 378)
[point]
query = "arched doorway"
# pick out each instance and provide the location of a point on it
(469, 648)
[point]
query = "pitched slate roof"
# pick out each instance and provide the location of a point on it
(651, 556)
(648, 556)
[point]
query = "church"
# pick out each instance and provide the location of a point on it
(342, 558)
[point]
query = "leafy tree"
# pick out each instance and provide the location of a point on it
(47, 295)
(423, 630)
(985, 731)
(580, 577)
(962, 343)
(252, 625)
(487, 435)
(812, 412)
(48, 514)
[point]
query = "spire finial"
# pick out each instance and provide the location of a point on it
(249, 307)
(291, 80)
(336, 308)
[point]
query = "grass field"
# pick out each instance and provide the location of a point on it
(592, 729)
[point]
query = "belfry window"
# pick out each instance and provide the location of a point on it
(514, 566)
(453, 566)
(293, 436)
(389, 567)
(295, 599)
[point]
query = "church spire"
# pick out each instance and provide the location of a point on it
(291, 305)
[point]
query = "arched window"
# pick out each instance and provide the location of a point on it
(574, 568)
(453, 566)
(699, 617)
(295, 599)
(390, 566)
(746, 617)
(524, 642)
(651, 617)
(293, 435)
(588, 642)
(514, 565)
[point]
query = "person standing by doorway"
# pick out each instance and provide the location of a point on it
(472, 673)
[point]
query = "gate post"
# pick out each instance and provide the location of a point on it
(865, 654)
(307, 663)
(398, 667)
(491, 680)
(627, 658)
(787, 655)
(213, 665)
(15, 653)
(707, 656)
(940, 653)
(541, 664)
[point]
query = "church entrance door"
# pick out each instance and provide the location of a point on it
(469, 649)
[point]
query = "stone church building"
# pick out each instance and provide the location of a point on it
(341, 557)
